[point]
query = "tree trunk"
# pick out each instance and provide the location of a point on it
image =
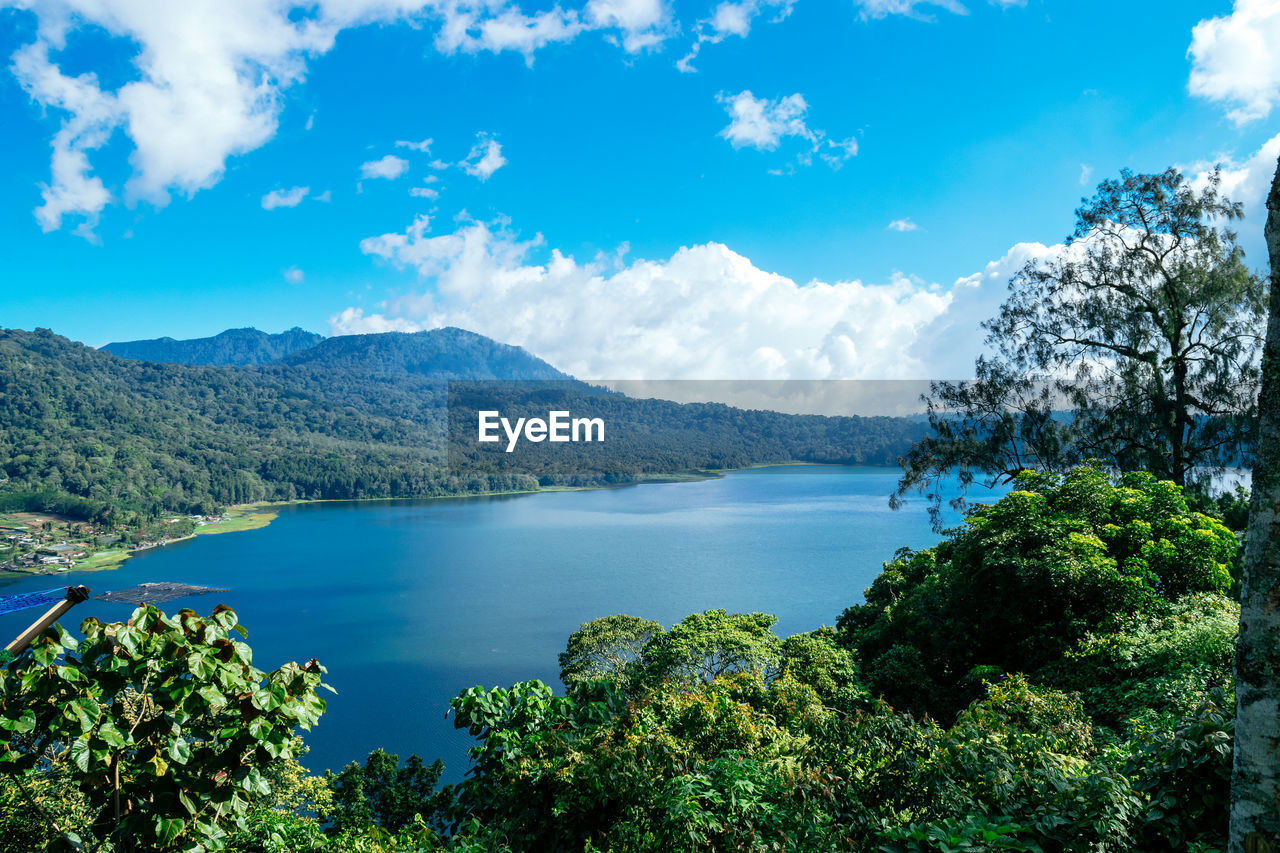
(1255, 778)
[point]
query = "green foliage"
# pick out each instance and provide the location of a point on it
(383, 792)
(1159, 664)
(973, 834)
(818, 660)
(705, 645)
(163, 723)
(1026, 754)
(37, 807)
(684, 766)
(1024, 580)
(607, 648)
(1183, 773)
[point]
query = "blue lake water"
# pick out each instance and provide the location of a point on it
(407, 603)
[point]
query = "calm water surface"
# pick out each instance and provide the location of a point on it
(408, 603)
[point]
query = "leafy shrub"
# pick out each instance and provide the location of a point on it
(162, 722)
(1025, 579)
(1184, 774)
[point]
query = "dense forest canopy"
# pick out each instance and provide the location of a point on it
(355, 417)
(234, 346)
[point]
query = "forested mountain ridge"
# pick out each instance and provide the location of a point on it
(365, 417)
(234, 346)
(447, 353)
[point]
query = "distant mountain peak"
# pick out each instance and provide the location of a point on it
(446, 353)
(233, 347)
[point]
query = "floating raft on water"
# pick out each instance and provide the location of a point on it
(155, 593)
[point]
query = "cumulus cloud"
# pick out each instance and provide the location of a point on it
(731, 18)
(902, 225)
(704, 312)
(293, 275)
(1246, 181)
(472, 29)
(1234, 59)
(763, 124)
(389, 168)
(642, 23)
(954, 339)
(760, 123)
(209, 77)
(485, 157)
(424, 192)
(291, 197)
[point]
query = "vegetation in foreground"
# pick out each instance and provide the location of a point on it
(1053, 676)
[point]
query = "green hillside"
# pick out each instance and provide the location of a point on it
(360, 417)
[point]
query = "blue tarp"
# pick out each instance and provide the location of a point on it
(23, 600)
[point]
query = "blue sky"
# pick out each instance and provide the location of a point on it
(595, 189)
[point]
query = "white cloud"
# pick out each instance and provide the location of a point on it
(92, 117)
(643, 23)
(950, 344)
(1086, 172)
(731, 18)
(424, 192)
(325, 196)
(763, 124)
(871, 9)
(422, 147)
(209, 77)
(704, 312)
(1234, 59)
(1247, 182)
(389, 167)
(485, 157)
(293, 275)
(498, 27)
(904, 224)
(291, 197)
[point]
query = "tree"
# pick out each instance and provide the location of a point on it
(1144, 328)
(705, 645)
(605, 648)
(162, 722)
(1255, 778)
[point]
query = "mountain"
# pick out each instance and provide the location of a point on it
(448, 353)
(369, 416)
(232, 347)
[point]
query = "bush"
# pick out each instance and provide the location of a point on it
(1024, 580)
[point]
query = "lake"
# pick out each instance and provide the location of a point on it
(407, 603)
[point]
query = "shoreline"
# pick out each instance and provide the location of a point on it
(260, 514)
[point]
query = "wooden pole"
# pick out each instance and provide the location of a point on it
(75, 595)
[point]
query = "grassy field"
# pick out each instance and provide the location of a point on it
(103, 560)
(239, 518)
